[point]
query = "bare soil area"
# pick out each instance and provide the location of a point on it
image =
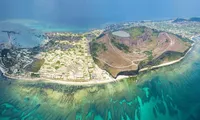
(123, 54)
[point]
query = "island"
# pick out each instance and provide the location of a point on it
(119, 51)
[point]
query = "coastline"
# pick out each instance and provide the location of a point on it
(161, 65)
(46, 80)
(95, 82)
(168, 63)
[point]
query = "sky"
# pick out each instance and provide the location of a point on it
(92, 12)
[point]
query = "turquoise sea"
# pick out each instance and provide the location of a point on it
(29, 30)
(168, 93)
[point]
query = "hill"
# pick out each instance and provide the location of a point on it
(193, 19)
(127, 51)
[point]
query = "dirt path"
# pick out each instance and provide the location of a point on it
(94, 82)
(171, 44)
(116, 50)
(114, 66)
(122, 67)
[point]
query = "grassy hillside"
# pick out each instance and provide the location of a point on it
(120, 46)
(96, 47)
(135, 31)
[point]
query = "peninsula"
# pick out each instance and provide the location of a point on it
(127, 51)
(98, 56)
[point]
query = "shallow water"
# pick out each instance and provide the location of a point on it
(30, 32)
(45, 26)
(24, 36)
(169, 93)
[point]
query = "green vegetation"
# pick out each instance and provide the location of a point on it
(34, 75)
(58, 62)
(120, 46)
(96, 48)
(143, 64)
(150, 57)
(57, 67)
(183, 38)
(136, 31)
(132, 78)
(167, 56)
(149, 53)
(36, 65)
(155, 33)
(170, 56)
(100, 36)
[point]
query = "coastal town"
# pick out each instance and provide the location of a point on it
(65, 56)
(73, 64)
(185, 28)
(72, 57)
